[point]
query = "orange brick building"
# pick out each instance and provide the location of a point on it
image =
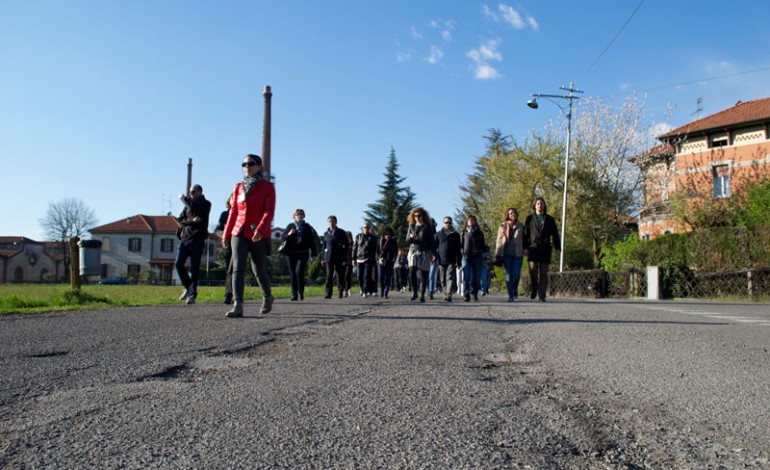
(708, 159)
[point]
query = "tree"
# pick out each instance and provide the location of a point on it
(510, 175)
(65, 219)
(395, 202)
(604, 185)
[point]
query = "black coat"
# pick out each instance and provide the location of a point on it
(472, 242)
(335, 246)
(194, 207)
(365, 246)
(387, 252)
(425, 239)
(540, 240)
(448, 247)
(309, 239)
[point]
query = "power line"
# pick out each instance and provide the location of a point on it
(707, 79)
(611, 41)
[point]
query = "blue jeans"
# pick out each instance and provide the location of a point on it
(512, 266)
(432, 277)
(189, 248)
(472, 276)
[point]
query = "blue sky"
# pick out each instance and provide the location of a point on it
(105, 101)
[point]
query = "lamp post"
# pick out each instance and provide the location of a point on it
(532, 103)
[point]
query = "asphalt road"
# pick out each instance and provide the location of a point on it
(372, 383)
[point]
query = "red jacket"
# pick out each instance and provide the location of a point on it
(257, 207)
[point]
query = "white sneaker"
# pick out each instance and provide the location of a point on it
(185, 294)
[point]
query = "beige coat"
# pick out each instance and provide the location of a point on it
(517, 239)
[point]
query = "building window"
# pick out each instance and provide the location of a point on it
(105, 243)
(167, 245)
(133, 272)
(721, 174)
(719, 142)
(645, 236)
(134, 244)
(18, 274)
(105, 271)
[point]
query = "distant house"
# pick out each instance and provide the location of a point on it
(145, 244)
(26, 260)
(712, 157)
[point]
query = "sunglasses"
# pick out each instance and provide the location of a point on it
(250, 163)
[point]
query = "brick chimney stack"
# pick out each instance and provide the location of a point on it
(266, 124)
(189, 176)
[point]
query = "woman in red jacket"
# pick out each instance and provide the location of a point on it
(248, 231)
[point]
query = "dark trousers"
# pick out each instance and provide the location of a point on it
(191, 248)
(448, 277)
(366, 276)
(229, 270)
(297, 269)
(333, 267)
(386, 277)
(419, 280)
(402, 281)
(472, 276)
(538, 279)
(241, 247)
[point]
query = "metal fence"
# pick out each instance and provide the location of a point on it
(676, 282)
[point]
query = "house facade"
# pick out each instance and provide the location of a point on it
(706, 160)
(25, 260)
(143, 248)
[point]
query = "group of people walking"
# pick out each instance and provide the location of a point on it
(459, 254)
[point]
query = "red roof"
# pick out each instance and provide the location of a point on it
(748, 112)
(140, 224)
(19, 240)
(657, 151)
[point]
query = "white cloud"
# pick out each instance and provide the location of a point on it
(485, 72)
(659, 129)
(416, 34)
(404, 56)
(445, 28)
(481, 57)
(510, 16)
(436, 54)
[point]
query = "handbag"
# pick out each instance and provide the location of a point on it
(283, 248)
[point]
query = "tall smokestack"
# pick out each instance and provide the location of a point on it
(189, 176)
(266, 132)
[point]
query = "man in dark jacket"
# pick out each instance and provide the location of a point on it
(540, 238)
(334, 256)
(472, 243)
(194, 221)
(449, 256)
(365, 253)
(228, 253)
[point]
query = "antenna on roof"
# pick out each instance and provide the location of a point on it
(698, 108)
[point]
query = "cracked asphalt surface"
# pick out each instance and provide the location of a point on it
(368, 383)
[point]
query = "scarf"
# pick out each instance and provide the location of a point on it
(300, 227)
(249, 182)
(508, 229)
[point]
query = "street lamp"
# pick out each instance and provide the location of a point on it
(532, 103)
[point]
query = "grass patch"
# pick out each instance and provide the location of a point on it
(39, 298)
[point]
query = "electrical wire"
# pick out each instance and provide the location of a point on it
(601, 54)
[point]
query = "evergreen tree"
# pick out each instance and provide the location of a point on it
(395, 202)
